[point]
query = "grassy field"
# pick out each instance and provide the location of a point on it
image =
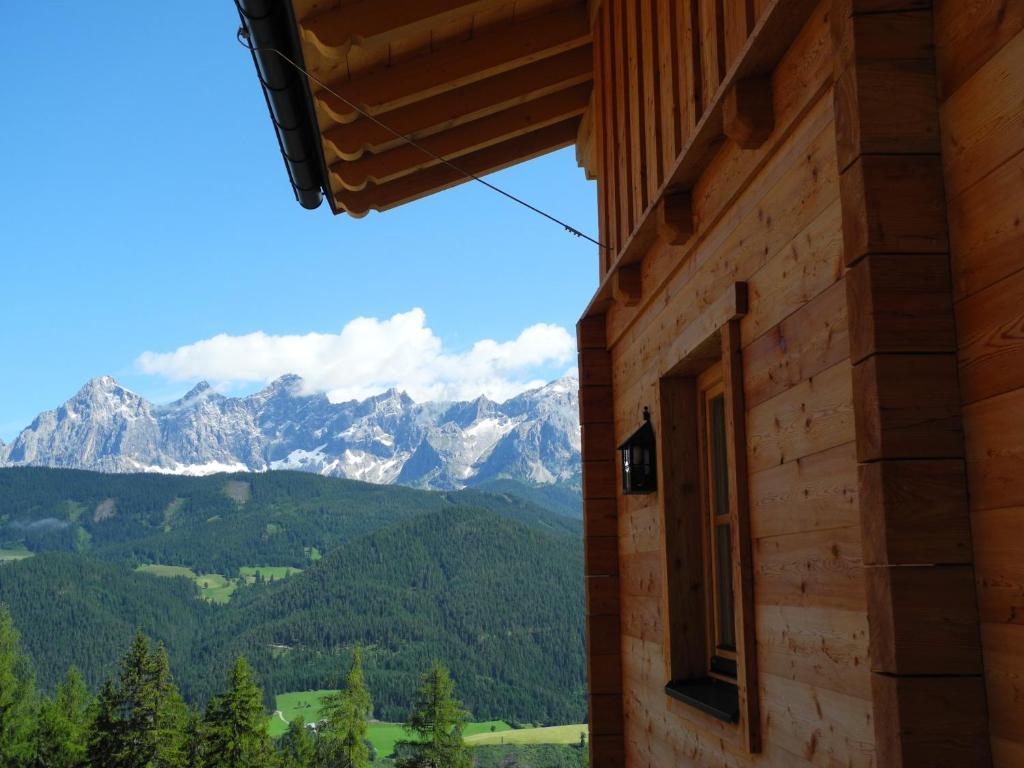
(556, 734)
(215, 587)
(269, 572)
(14, 554)
(383, 735)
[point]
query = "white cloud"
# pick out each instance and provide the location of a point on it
(369, 355)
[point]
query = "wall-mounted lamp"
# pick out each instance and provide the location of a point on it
(639, 473)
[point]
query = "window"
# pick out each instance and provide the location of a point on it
(709, 643)
(718, 526)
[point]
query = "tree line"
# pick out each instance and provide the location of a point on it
(140, 720)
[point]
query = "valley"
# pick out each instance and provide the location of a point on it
(293, 570)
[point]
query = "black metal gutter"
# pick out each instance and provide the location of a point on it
(271, 25)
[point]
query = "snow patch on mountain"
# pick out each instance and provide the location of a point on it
(388, 438)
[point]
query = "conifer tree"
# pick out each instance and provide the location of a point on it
(107, 733)
(139, 722)
(235, 724)
(17, 697)
(192, 739)
(298, 749)
(438, 718)
(343, 735)
(62, 727)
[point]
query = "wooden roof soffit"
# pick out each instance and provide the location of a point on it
(738, 111)
(370, 22)
(462, 105)
(483, 161)
(462, 140)
(460, 64)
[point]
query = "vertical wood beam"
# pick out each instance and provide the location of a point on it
(672, 111)
(652, 98)
(927, 683)
(618, 47)
(743, 569)
(612, 180)
(637, 112)
(601, 547)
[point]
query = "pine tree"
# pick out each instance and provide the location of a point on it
(140, 722)
(171, 714)
(63, 723)
(235, 724)
(438, 718)
(17, 697)
(298, 749)
(343, 737)
(192, 739)
(107, 733)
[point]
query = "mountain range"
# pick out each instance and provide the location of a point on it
(385, 439)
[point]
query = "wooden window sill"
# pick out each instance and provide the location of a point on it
(711, 696)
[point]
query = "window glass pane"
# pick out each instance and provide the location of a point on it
(719, 461)
(723, 577)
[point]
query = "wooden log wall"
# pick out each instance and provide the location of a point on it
(658, 64)
(980, 58)
(927, 684)
(601, 548)
(769, 216)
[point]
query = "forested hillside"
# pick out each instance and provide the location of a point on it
(488, 583)
(222, 522)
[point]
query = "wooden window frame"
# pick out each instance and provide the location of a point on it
(710, 385)
(713, 339)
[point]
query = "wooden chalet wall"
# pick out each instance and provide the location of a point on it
(801, 154)
(769, 217)
(980, 55)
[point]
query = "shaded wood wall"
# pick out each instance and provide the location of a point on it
(874, 211)
(980, 55)
(769, 217)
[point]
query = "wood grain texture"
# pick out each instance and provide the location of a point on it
(893, 204)
(817, 568)
(931, 721)
(980, 133)
(900, 304)
(813, 493)
(999, 568)
(967, 35)
(915, 512)
(813, 416)
(990, 327)
(995, 452)
(804, 344)
(924, 620)
(908, 407)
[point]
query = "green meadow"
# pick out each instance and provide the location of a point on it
(214, 586)
(17, 553)
(555, 734)
(384, 736)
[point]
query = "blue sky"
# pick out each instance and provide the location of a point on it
(146, 208)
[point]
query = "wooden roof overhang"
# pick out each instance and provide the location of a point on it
(484, 84)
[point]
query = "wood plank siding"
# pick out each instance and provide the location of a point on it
(980, 65)
(857, 167)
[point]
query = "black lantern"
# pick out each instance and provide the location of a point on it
(639, 474)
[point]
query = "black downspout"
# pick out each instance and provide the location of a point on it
(270, 25)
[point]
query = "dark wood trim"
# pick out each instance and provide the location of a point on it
(743, 574)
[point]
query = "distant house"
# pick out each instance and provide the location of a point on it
(813, 282)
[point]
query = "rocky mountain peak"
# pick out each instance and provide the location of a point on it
(386, 438)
